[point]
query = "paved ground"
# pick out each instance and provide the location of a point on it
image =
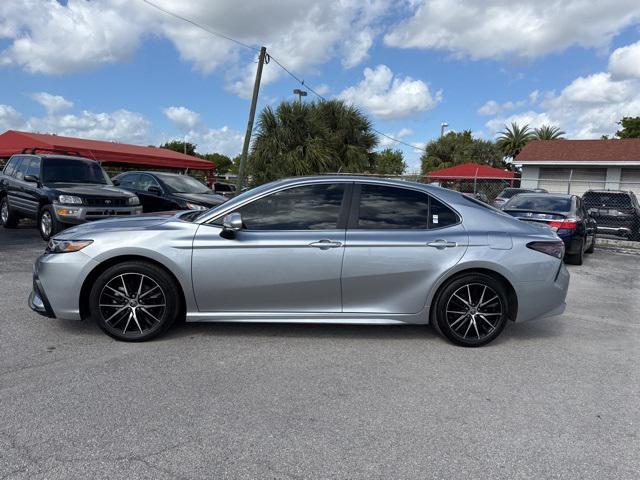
(556, 398)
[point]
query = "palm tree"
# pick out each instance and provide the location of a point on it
(548, 132)
(310, 138)
(513, 139)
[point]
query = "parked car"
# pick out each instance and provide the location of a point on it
(478, 196)
(59, 191)
(504, 196)
(617, 212)
(161, 192)
(564, 214)
(224, 189)
(329, 249)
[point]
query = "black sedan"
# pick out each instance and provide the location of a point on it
(565, 214)
(160, 192)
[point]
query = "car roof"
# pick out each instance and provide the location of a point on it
(54, 155)
(623, 192)
(545, 195)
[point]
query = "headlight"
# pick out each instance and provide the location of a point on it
(134, 200)
(195, 206)
(70, 199)
(67, 246)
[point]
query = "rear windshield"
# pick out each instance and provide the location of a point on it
(596, 199)
(73, 170)
(543, 203)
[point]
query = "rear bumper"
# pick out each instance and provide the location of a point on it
(622, 231)
(543, 299)
(82, 214)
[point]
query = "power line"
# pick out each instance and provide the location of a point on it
(269, 57)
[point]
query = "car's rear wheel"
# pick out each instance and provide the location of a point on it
(134, 301)
(8, 218)
(471, 310)
(592, 247)
(576, 258)
(48, 224)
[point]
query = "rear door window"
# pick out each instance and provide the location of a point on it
(129, 181)
(10, 168)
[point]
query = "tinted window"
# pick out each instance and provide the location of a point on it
(72, 170)
(441, 215)
(22, 168)
(147, 181)
(34, 167)
(128, 181)
(392, 208)
(11, 166)
(183, 184)
(312, 207)
(596, 199)
(543, 203)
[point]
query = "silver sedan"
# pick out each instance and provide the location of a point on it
(309, 250)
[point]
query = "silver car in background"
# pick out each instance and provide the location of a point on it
(309, 250)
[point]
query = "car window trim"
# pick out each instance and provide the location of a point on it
(343, 215)
(355, 210)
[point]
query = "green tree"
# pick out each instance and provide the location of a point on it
(630, 127)
(222, 162)
(179, 146)
(455, 148)
(310, 138)
(513, 139)
(388, 162)
(548, 132)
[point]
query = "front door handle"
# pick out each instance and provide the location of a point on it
(441, 244)
(325, 244)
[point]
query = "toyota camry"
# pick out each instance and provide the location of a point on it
(324, 249)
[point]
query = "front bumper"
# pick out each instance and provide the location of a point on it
(76, 214)
(38, 301)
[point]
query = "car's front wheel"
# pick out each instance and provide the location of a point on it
(134, 301)
(48, 224)
(471, 310)
(8, 218)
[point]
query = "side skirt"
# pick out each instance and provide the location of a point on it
(299, 317)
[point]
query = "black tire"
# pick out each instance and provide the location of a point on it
(473, 329)
(8, 217)
(134, 323)
(592, 247)
(576, 258)
(48, 224)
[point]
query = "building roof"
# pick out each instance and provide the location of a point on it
(470, 170)
(12, 142)
(580, 151)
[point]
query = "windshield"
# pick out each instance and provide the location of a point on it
(73, 170)
(183, 184)
(543, 203)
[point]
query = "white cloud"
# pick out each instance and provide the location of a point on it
(10, 118)
(520, 28)
(46, 36)
(389, 97)
(183, 118)
(588, 107)
(386, 142)
(625, 62)
(52, 103)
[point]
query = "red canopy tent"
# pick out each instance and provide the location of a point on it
(111, 153)
(470, 171)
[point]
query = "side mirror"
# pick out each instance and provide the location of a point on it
(232, 222)
(155, 190)
(31, 178)
(115, 181)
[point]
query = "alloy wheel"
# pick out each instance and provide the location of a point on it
(46, 224)
(132, 304)
(4, 212)
(473, 311)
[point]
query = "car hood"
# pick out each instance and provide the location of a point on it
(206, 199)
(139, 222)
(91, 190)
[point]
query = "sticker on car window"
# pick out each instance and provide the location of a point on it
(435, 218)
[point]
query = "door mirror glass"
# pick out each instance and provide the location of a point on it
(31, 178)
(115, 181)
(155, 190)
(232, 222)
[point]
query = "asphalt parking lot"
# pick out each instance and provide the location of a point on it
(555, 398)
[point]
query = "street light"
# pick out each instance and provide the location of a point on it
(300, 93)
(443, 125)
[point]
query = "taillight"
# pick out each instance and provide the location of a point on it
(564, 225)
(553, 248)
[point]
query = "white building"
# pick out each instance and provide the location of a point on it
(575, 166)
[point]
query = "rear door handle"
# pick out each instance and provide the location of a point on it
(441, 244)
(325, 244)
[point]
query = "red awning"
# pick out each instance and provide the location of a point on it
(12, 142)
(469, 171)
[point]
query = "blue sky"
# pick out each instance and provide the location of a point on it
(121, 70)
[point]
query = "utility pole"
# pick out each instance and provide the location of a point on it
(252, 114)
